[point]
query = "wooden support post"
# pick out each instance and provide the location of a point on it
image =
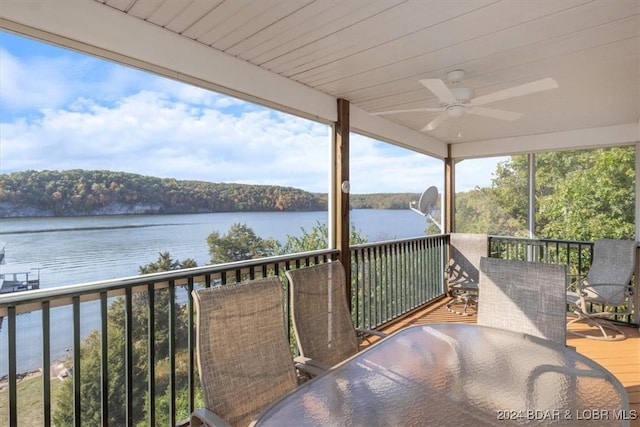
(342, 226)
(636, 298)
(449, 193)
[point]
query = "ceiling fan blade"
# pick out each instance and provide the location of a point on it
(496, 114)
(435, 122)
(440, 90)
(512, 92)
(410, 110)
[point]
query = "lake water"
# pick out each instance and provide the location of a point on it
(85, 249)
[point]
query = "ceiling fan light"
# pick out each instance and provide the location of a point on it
(455, 111)
(463, 94)
(455, 76)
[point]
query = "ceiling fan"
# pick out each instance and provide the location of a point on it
(456, 101)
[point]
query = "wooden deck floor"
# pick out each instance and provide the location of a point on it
(621, 358)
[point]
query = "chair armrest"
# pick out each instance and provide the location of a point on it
(204, 417)
(574, 281)
(624, 292)
(310, 366)
(371, 332)
(366, 335)
(595, 285)
(308, 372)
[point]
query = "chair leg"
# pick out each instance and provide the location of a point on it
(602, 325)
(467, 301)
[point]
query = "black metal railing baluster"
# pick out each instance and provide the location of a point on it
(128, 349)
(46, 361)
(367, 289)
(388, 313)
(394, 268)
(151, 353)
(104, 366)
(287, 297)
(172, 352)
(381, 286)
(191, 344)
(355, 289)
(13, 367)
(77, 372)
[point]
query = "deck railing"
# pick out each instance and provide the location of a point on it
(576, 255)
(130, 348)
(389, 279)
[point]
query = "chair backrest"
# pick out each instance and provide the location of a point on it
(243, 354)
(465, 251)
(522, 296)
(613, 264)
(321, 318)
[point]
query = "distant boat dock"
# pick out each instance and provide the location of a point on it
(17, 277)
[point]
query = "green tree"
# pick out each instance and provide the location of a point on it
(315, 239)
(90, 351)
(166, 263)
(238, 244)
(595, 199)
(580, 195)
(509, 195)
(480, 211)
(90, 374)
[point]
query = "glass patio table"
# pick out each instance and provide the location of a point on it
(458, 375)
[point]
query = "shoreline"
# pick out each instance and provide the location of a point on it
(57, 371)
(23, 376)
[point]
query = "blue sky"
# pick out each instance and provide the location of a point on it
(64, 110)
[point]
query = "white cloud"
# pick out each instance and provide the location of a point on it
(472, 173)
(31, 84)
(151, 134)
(377, 167)
(71, 111)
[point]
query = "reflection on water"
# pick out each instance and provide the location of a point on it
(86, 249)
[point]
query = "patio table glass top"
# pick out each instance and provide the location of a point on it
(457, 374)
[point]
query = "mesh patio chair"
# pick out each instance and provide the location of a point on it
(522, 296)
(463, 269)
(322, 321)
(243, 354)
(608, 285)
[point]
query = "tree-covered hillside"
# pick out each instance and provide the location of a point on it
(91, 192)
(100, 192)
(382, 200)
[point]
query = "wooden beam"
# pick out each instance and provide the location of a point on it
(570, 140)
(342, 227)
(377, 127)
(449, 192)
(636, 305)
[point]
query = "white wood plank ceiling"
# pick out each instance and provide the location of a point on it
(374, 52)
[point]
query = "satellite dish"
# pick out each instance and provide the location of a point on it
(427, 205)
